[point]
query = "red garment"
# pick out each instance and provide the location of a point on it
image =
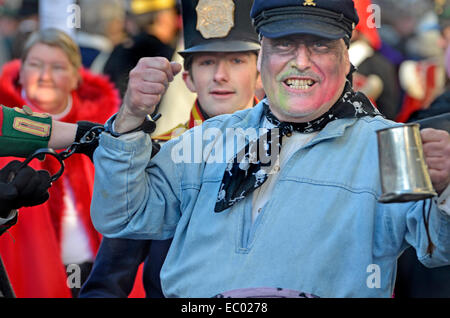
(32, 249)
(428, 72)
(365, 25)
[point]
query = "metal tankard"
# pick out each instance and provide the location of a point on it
(404, 173)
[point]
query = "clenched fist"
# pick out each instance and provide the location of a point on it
(148, 81)
(436, 147)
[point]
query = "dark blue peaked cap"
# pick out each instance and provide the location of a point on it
(218, 26)
(331, 19)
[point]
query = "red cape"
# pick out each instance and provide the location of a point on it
(31, 250)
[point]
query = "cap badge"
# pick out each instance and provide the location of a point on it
(215, 18)
(309, 3)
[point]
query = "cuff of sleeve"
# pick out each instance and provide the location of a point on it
(128, 143)
(126, 137)
(22, 132)
(443, 201)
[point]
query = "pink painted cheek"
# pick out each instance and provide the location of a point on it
(334, 81)
(330, 90)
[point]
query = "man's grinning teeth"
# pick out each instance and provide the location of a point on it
(299, 84)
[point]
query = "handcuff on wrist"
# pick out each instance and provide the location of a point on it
(148, 126)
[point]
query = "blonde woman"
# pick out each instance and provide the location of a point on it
(58, 235)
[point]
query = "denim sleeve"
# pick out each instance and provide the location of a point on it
(444, 200)
(134, 197)
(412, 226)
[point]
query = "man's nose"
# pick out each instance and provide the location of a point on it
(303, 57)
(221, 73)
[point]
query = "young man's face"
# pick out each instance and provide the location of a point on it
(224, 82)
(303, 76)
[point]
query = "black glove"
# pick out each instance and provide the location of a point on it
(28, 188)
(82, 129)
(8, 193)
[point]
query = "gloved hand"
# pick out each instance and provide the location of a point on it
(8, 193)
(28, 188)
(82, 128)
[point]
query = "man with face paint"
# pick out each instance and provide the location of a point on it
(308, 219)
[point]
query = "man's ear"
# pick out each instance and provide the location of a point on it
(259, 91)
(347, 62)
(189, 82)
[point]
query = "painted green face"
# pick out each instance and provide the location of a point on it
(303, 76)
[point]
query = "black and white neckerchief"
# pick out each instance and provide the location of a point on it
(250, 168)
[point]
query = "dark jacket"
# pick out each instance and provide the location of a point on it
(388, 102)
(441, 105)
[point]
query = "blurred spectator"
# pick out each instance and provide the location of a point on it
(414, 279)
(424, 95)
(422, 81)
(49, 78)
(400, 20)
(28, 19)
(426, 35)
(421, 74)
(102, 28)
(158, 23)
(376, 76)
(441, 104)
(8, 28)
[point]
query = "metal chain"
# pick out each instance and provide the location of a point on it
(89, 137)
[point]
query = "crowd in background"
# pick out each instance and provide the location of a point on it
(407, 49)
(401, 65)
